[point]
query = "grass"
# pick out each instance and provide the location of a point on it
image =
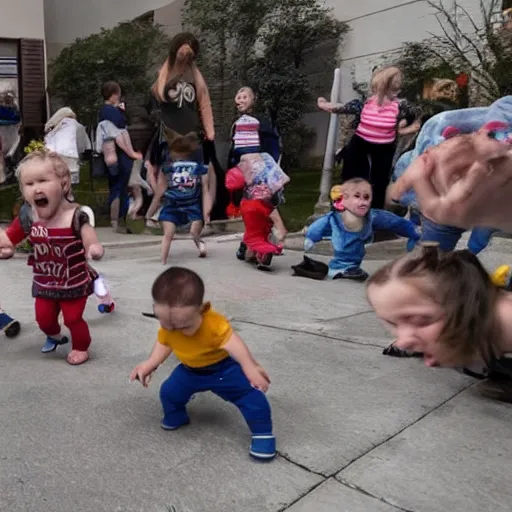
(301, 195)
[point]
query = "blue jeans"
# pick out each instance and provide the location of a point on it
(118, 185)
(227, 380)
(448, 236)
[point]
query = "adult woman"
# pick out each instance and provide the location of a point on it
(181, 102)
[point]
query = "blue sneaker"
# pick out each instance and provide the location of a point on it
(51, 344)
(263, 447)
(10, 326)
(173, 427)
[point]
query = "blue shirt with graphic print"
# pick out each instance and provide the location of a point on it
(183, 182)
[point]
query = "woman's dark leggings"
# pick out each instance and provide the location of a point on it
(363, 159)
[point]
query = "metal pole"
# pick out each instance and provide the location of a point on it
(323, 203)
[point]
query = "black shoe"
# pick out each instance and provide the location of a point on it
(311, 269)
(356, 274)
(394, 351)
(494, 389)
(241, 251)
(264, 262)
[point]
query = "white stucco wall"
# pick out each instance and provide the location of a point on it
(22, 19)
(66, 19)
(378, 27)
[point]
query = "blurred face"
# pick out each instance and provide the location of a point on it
(357, 199)
(185, 54)
(244, 100)
(415, 319)
(42, 188)
(187, 319)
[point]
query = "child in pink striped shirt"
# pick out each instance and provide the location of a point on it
(369, 154)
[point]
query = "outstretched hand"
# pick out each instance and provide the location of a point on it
(323, 104)
(465, 181)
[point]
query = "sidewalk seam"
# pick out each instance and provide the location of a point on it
(311, 333)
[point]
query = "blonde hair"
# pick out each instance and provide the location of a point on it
(386, 83)
(462, 288)
(43, 157)
(247, 89)
(348, 186)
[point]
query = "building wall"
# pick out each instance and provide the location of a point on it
(66, 20)
(22, 18)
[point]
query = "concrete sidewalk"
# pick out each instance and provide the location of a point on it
(357, 431)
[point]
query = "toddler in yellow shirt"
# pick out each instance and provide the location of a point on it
(213, 358)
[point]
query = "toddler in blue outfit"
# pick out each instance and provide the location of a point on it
(185, 183)
(350, 225)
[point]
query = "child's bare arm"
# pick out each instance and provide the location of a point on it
(143, 371)
(93, 248)
(238, 350)
(403, 129)
(124, 141)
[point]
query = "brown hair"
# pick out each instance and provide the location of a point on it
(386, 83)
(167, 72)
(181, 144)
(109, 88)
(57, 163)
(460, 285)
(178, 286)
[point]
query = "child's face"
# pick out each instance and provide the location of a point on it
(186, 319)
(244, 101)
(414, 318)
(357, 200)
(42, 189)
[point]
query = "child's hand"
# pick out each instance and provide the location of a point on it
(323, 104)
(95, 252)
(258, 377)
(6, 246)
(143, 373)
(137, 155)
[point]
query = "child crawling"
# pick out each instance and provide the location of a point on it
(212, 356)
(350, 224)
(445, 307)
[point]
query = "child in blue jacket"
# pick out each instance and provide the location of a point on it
(350, 225)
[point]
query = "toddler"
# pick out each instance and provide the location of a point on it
(350, 225)
(212, 358)
(62, 240)
(184, 187)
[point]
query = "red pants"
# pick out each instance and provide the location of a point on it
(47, 317)
(258, 226)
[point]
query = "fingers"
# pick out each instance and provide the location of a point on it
(265, 375)
(421, 168)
